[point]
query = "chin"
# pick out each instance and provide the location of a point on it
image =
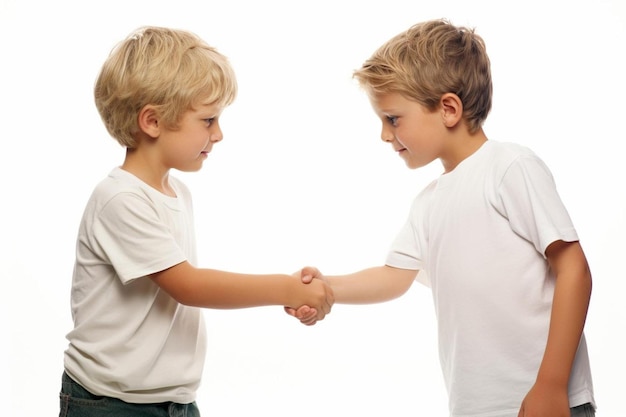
(412, 165)
(191, 169)
(415, 165)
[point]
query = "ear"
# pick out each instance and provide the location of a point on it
(149, 121)
(451, 109)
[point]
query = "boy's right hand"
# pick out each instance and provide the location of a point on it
(306, 314)
(324, 297)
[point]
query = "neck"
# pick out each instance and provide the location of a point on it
(461, 148)
(154, 175)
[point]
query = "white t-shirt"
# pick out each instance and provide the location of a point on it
(478, 235)
(131, 340)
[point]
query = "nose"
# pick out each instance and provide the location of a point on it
(386, 135)
(216, 133)
(216, 137)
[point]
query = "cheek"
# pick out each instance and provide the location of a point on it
(405, 137)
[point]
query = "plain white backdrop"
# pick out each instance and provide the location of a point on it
(300, 178)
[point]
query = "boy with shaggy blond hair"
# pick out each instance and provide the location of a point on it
(491, 236)
(138, 344)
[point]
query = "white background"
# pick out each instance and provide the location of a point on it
(301, 178)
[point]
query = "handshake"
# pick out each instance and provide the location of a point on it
(318, 300)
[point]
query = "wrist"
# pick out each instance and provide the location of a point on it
(293, 292)
(552, 379)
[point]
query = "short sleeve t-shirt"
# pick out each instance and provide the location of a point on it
(478, 235)
(131, 340)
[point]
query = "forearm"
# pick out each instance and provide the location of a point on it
(566, 325)
(219, 289)
(569, 311)
(372, 285)
(211, 288)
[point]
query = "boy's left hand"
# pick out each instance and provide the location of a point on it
(545, 401)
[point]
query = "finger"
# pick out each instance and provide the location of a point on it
(311, 314)
(300, 313)
(327, 306)
(320, 315)
(290, 311)
(311, 318)
(303, 311)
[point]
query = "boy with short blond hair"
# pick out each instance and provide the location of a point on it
(490, 236)
(138, 344)
(169, 69)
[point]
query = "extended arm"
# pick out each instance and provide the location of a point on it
(218, 289)
(549, 397)
(372, 285)
(368, 286)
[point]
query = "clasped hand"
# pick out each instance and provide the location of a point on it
(306, 314)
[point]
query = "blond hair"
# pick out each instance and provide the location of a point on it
(170, 69)
(431, 59)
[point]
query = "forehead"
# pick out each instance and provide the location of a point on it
(390, 102)
(205, 107)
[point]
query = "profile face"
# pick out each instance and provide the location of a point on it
(415, 132)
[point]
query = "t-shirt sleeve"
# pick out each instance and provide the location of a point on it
(530, 201)
(405, 252)
(135, 240)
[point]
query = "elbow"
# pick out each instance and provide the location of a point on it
(184, 299)
(180, 295)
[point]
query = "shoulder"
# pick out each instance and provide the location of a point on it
(121, 192)
(117, 184)
(507, 156)
(508, 151)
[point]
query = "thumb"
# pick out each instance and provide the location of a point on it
(308, 273)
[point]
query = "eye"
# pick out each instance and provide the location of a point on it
(209, 121)
(393, 120)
